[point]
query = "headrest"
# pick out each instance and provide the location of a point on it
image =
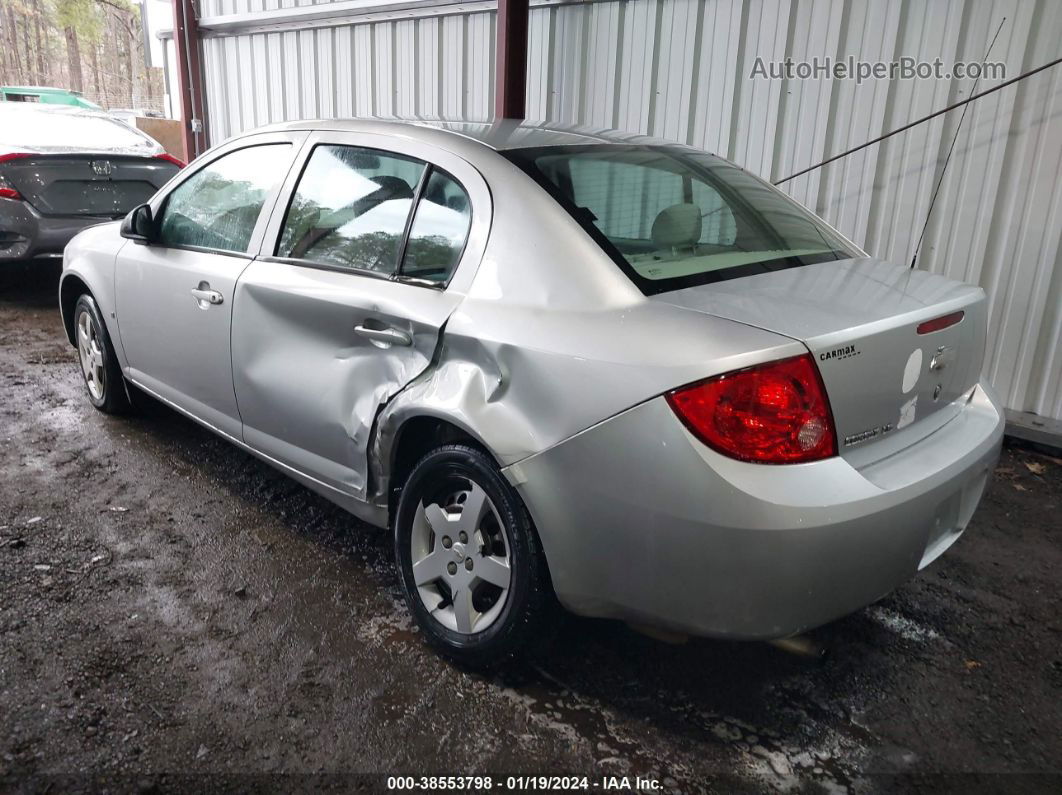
(677, 226)
(435, 193)
(398, 188)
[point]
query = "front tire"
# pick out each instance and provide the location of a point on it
(469, 559)
(100, 369)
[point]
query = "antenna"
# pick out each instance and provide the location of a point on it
(951, 149)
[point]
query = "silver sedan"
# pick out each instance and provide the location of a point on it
(598, 368)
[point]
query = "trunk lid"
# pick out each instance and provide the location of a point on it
(888, 385)
(107, 185)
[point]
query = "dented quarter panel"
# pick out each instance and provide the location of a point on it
(519, 400)
(552, 338)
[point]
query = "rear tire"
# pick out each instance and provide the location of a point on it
(470, 563)
(100, 369)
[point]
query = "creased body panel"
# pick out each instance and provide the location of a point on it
(308, 386)
(580, 368)
(669, 533)
(552, 338)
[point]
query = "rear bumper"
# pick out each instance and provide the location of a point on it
(641, 522)
(25, 233)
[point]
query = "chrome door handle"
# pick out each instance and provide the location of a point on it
(384, 336)
(205, 296)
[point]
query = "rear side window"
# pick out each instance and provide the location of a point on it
(218, 206)
(351, 208)
(440, 227)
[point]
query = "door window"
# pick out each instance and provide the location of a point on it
(218, 206)
(440, 227)
(350, 209)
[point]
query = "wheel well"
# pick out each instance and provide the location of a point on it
(416, 438)
(71, 289)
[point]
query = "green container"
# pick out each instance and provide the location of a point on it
(45, 95)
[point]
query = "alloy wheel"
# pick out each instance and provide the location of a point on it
(461, 557)
(90, 351)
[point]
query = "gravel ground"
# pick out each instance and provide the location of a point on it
(175, 615)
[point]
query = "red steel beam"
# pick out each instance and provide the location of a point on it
(510, 87)
(189, 79)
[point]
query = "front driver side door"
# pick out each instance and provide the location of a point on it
(174, 297)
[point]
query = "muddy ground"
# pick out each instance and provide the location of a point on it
(174, 615)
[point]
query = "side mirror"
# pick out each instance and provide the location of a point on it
(138, 225)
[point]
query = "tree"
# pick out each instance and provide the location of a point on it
(94, 46)
(76, 17)
(125, 19)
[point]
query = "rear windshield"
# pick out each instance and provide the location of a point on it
(672, 217)
(29, 128)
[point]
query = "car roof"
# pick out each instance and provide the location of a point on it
(500, 135)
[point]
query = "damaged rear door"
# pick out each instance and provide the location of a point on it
(360, 269)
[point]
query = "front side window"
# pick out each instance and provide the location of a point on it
(350, 209)
(218, 206)
(674, 218)
(440, 227)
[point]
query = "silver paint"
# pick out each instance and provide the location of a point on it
(541, 350)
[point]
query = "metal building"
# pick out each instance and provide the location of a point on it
(681, 69)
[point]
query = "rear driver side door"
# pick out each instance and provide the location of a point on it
(359, 271)
(174, 296)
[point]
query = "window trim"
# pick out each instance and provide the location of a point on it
(247, 253)
(324, 266)
(524, 159)
(464, 245)
(397, 276)
(403, 244)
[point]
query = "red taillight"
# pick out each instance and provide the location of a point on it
(7, 190)
(170, 159)
(774, 413)
(938, 323)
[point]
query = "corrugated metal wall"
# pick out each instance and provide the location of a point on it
(680, 69)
